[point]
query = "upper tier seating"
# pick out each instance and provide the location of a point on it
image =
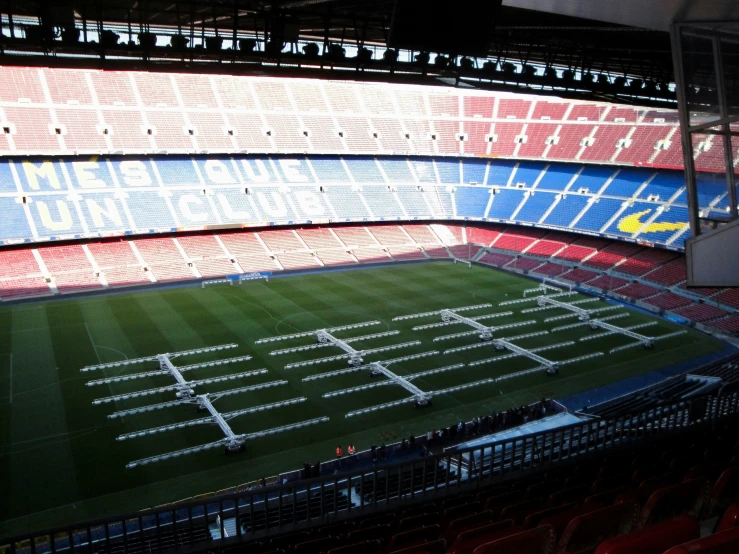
(246, 109)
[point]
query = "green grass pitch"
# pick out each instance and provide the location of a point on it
(60, 462)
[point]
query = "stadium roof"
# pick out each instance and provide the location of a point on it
(625, 39)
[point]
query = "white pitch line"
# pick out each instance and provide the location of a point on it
(112, 350)
(97, 354)
(95, 348)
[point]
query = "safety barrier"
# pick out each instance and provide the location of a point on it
(247, 515)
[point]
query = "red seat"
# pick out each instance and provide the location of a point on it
(496, 503)
(432, 547)
(414, 537)
(561, 520)
(587, 531)
(654, 539)
(316, 546)
(420, 520)
(542, 490)
(730, 519)
(469, 540)
(519, 512)
(364, 547)
(459, 511)
(668, 502)
(417, 510)
(647, 487)
(605, 498)
(574, 494)
(456, 501)
(724, 492)
(285, 541)
(726, 542)
(379, 532)
(533, 519)
(378, 520)
(336, 530)
(462, 524)
(610, 483)
(533, 541)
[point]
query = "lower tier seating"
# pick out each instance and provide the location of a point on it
(633, 272)
(657, 498)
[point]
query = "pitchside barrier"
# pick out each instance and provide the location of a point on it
(238, 279)
(233, 518)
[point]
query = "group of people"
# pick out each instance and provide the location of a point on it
(481, 425)
(350, 450)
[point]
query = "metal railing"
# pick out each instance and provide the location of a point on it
(248, 515)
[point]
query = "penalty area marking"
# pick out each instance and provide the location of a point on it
(112, 350)
(95, 348)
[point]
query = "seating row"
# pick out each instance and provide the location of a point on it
(652, 500)
(641, 273)
(54, 110)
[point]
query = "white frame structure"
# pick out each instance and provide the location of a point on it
(232, 442)
(585, 317)
(450, 317)
(325, 337)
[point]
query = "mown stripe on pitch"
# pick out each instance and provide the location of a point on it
(171, 324)
(143, 335)
(199, 318)
(39, 413)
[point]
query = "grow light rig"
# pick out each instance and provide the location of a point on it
(585, 317)
(184, 394)
(326, 337)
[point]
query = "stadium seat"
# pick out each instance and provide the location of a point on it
(729, 519)
(725, 491)
(410, 538)
(380, 532)
(725, 542)
(575, 494)
(316, 546)
(683, 498)
(431, 547)
(467, 541)
(336, 530)
(363, 547)
(654, 539)
(533, 541)
(420, 520)
(560, 520)
(534, 518)
(451, 514)
(587, 531)
(496, 503)
(519, 512)
(462, 524)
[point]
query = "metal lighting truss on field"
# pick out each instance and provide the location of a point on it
(325, 337)
(423, 398)
(532, 298)
(182, 387)
(451, 317)
(585, 318)
(185, 395)
(544, 287)
(418, 396)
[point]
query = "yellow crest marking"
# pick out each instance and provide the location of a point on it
(632, 223)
